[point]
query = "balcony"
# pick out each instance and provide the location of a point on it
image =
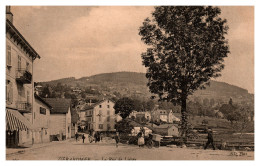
(24, 107)
(23, 76)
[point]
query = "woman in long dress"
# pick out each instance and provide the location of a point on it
(140, 139)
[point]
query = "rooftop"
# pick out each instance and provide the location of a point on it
(59, 105)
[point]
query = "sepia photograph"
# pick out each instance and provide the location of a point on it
(129, 83)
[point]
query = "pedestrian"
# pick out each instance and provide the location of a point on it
(98, 136)
(83, 138)
(90, 138)
(95, 137)
(117, 138)
(101, 137)
(140, 136)
(76, 136)
(210, 139)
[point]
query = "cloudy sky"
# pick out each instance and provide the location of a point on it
(83, 41)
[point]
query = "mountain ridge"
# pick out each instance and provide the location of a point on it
(134, 83)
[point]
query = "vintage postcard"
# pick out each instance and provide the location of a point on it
(129, 83)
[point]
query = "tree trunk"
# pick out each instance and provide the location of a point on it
(184, 119)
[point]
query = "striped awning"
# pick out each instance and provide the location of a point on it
(16, 121)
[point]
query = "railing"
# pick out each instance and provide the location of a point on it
(24, 107)
(23, 76)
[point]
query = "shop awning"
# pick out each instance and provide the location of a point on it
(16, 121)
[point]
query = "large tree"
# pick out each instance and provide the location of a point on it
(186, 47)
(124, 107)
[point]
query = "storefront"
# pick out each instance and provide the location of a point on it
(18, 129)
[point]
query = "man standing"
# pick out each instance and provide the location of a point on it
(210, 139)
(76, 136)
(117, 138)
(83, 138)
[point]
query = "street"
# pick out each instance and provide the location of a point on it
(106, 150)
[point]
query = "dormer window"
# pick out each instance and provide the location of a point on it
(100, 106)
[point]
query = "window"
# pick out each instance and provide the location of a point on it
(108, 127)
(107, 106)
(9, 91)
(34, 115)
(28, 96)
(108, 118)
(108, 112)
(21, 91)
(100, 126)
(27, 66)
(9, 56)
(19, 62)
(108, 101)
(42, 110)
(28, 133)
(100, 106)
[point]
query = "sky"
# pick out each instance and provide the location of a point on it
(84, 41)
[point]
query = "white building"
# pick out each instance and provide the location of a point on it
(41, 120)
(60, 117)
(101, 116)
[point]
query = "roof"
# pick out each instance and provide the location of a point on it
(166, 111)
(59, 105)
(19, 37)
(97, 103)
(43, 101)
(164, 126)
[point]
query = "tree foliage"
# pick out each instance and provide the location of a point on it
(124, 107)
(186, 47)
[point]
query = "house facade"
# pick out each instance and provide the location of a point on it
(141, 115)
(101, 116)
(41, 118)
(167, 130)
(60, 118)
(20, 56)
(159, 115)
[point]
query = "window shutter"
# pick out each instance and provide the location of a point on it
(11, 92)
(28, 97)
(9, 55)
(19, 62)
(6, 90)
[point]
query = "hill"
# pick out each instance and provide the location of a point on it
(134, 84)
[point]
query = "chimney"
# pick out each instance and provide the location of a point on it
(9, 14)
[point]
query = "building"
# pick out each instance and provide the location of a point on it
(41, 118)
(20, 56)
(139, 116)
(101, 116)
(159, 115)
(167, 130)
(60, 118)
(74, 122)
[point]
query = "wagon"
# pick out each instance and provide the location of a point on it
(154, 140)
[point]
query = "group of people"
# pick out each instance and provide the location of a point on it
(96, 137)
(140, 137)
(93, 137)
